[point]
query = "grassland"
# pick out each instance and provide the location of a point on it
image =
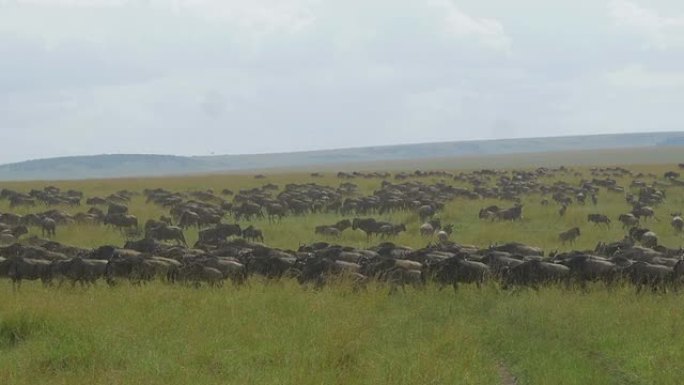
(279, 333)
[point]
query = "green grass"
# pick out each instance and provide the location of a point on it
(280, 333)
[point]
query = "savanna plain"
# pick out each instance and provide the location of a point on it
(277, 331)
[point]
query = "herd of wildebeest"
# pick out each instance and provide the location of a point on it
(229, 249)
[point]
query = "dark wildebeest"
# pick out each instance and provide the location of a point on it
(25, 268)
(657, 277)
(121, 221)
(534, 273)
(643, 212)
(388, 230)
(117, 208)
(83, 271)
(196, 273)
(488, 212)
(328, 230)
(598, 219)
(628, 220)
(167, 233)
(48, 227)
(677, 223)
(457, 269)
(570, 235)
(219, 233)
(511, 214)
(586, 268)
(188, 219)
(252, 233)
(425, 212)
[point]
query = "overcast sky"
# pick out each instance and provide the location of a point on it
(244, 76)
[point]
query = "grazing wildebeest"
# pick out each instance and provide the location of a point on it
(569, 235)
(628, 220)
(196, 273)
(534, 273)
(488, 212)
(643, 212)
(19, 200)
(425, 212)
(598, 219)
(219, 233)
(328, 231)
(117, 208)
(388, 230)
(333, 230)
(649, 239)
(586, 268)
(457, 269)
(368, 225)
(677, 223)
(26, 268)
(48, 227)
(657, 277)
(83, 271)
(442, 236)
(188, 219)
(427, 230)
(165, 232)
(121, 221)
(511, 214)
(252, 233)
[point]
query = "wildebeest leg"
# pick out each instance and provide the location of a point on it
(455, 286)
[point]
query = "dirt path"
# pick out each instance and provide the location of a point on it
(507, 377)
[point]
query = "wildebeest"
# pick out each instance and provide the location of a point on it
(425, 212)
(677, 223)
(586, 268)
(389, 230)
(196, 273)
(166, 232)
(188, 219)
(83, 271)
(649, 239)
(511, 214)
(599, 219)
(657, 277)
(121, 221)
(252, 233)
(117, 209)
(219, 233)
(569, 235)
(21, 268)
(628, 220)
(368, 225)
(48, 227)
(458, 269)
(333, 230)
(534, 273)
(643, 212)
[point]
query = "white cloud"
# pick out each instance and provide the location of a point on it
(462, 25)
(637, 76)
(662, 32)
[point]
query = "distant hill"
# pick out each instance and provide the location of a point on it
(122, 165)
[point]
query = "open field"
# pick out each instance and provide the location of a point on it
(276, 332)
